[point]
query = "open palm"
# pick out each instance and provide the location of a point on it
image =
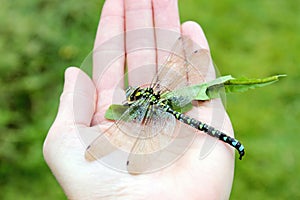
(84, 102)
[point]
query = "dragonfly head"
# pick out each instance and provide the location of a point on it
(136, 93)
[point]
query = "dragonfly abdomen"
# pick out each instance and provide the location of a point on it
(206, 128)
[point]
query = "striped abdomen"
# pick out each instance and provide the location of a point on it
(206, 128)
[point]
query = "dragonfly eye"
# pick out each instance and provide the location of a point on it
(133, 93)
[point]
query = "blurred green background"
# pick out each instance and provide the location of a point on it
(39, 39)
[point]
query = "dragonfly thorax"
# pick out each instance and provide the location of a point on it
(136, 93)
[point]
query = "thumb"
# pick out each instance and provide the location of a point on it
(78, 100)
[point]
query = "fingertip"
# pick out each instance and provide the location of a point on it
(194, 31)
(72, 77)
(72, 69)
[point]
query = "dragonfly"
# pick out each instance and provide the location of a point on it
(150, 121)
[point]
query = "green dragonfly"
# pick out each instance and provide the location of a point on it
(152, 112)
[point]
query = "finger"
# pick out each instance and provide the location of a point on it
(111, 21)
(167, 26)
(109, 44)
(109, 54)
(140, 44)
(193, 31)
(78, 100)
(218, 116)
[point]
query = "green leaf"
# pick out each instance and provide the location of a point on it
(244, 84)
(212, 89)
(199, 91)
(115, 111)
(240, 85)
(218, 83)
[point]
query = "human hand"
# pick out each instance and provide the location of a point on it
(84, 102)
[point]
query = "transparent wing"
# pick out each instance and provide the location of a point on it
(137, 141)
(163, 148)
(156, 134)
(121, 135)
(161, 141)
(186, 65)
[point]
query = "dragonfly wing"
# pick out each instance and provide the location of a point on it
(158, 144)
(156, 134)
(187, 64)
(121, 135)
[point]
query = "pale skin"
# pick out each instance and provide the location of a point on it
(188, 178)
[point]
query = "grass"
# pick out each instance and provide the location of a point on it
(247, 38)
